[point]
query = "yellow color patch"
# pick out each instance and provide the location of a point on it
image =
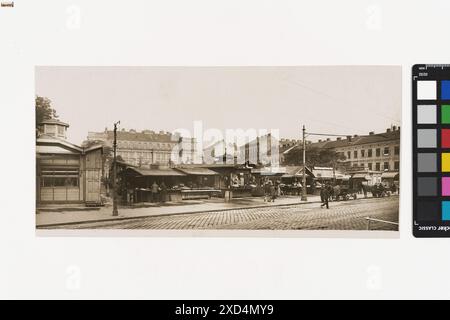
(446, 162)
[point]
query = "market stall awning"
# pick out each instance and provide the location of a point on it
(360, 176)
(389, 175)
(169, 172)
(198, 171)
(323, 172)
(292, 171)
(270, 171)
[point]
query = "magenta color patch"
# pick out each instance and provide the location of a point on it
(446, 186)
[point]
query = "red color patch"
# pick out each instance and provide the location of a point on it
(445, 138)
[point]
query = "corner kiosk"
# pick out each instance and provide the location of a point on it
(65, 172)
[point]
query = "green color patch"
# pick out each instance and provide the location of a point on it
(445, 114)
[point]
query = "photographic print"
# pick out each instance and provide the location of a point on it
(301, 148)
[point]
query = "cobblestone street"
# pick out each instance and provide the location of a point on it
(348, 215)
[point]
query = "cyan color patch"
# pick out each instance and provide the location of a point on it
(446, 210)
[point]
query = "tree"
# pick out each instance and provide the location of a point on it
(315, 157)
(44, 110)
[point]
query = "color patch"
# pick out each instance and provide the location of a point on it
(445, 90)
(426, 114)
(428, 210)
(445, 162)
(427, 186)
(431, 150)
(446, 210)
(426, 138)
(426, 162)
(446, 186)
(445, 114)
(445, 138)
(426, 90)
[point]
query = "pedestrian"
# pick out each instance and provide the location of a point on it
(163, 192)
(155, 192)
(266, 191)
(364, 189)
(330, 192)
(273, 192)
(324, 195)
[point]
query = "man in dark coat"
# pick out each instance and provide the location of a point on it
(324, 195)
(163, 192)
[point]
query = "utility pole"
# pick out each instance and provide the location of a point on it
(304, 197)
(115, 212)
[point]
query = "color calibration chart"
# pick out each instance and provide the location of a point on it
(431, 150)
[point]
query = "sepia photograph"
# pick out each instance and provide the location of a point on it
(292, 148)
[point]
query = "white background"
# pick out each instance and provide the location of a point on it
(206, 32)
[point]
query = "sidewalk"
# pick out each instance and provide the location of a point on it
(54, 216)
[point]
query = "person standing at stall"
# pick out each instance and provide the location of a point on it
(267, 191)
(163, 192)
(155, 192)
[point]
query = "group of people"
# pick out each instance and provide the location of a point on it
(159, 192)
(271, 191)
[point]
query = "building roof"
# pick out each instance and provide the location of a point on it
(54, 121)
(46, 144)
(168, 172)
(392, 135)
(43, 143)
(142, 136)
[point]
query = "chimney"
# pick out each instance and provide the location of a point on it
(388, 130)
(355, 136)
(371, 133)
(328, 139)
(320, 140)
(394, 128)
(338, 138)
(349, 138)
(398, 128)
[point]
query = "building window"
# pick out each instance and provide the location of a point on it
(377, 152)
(397, 165)
(377, 166)
(369, 153)
(363, 153)
(60, 130)
(386, 151)
(348, 154)
(59, 178)
(369, 165)
(396, 150)
(386, 166)
(355, 154)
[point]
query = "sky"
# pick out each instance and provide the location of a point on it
(343, 100)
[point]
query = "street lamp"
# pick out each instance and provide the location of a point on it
(304, 197)
(115, 211)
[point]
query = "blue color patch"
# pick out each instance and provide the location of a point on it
(445, 90)
(446, 210)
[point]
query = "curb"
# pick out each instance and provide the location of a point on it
(166, 214)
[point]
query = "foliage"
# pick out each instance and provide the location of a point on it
(315, 157)
(44, 110)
